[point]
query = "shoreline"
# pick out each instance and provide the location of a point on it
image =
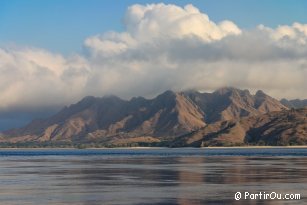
(257, 147)
(235, 147)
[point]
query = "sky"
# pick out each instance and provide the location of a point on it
(55, 52)
(62, 25)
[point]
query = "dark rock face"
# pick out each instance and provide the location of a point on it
(294, 103)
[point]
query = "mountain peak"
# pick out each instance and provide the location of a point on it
(295, 103)
(260, 93)
(87, 99)
(111, 97)
(137, 99)
(224, 90)
(167, 94)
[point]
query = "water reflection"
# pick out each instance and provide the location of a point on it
(93, 180)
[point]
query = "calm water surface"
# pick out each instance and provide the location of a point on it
(150, 176)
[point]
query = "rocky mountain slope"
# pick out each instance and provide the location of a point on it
(288, 127)
(111, 120)
(94, 119)
(297, 103)
(231, 103)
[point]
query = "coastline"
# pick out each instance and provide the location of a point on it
(256, 147)
(140, 148)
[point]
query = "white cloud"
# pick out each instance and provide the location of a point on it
(35, 77)
(296, 32)
(154, 23)
(163, 47)
(109, 44)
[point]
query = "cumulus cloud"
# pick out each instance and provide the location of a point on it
(162, 47)
(297, 32)
(33, 77)
(155, 23)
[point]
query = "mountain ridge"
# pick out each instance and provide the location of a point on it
(287, 127)
(165, 118)
(296, 103)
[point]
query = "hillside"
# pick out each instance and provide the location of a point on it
(297, 103)
(231, 103)
(112, 120)
(288, 127)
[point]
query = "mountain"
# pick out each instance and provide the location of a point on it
(288, 127)
(231, 103)
(111, 120)
(297, 103)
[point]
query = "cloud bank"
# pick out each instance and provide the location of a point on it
(162, 47)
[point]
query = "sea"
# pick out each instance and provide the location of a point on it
(160, 176)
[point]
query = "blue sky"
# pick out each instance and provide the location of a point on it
(62, 25)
